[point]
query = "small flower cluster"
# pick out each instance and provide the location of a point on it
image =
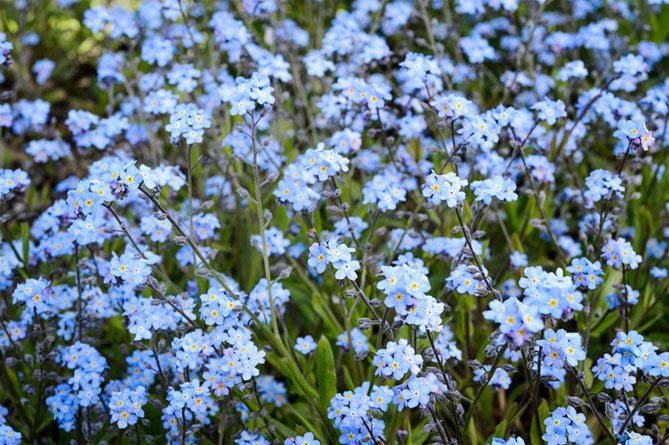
(8, 435)
(636, 133)
(306, 439)
(5, 49)
(620, 253)
(312, 167)
(466, 280)
(586, 274)
(602, 184)
(35, 294)
(550, 110)
(246, 94)
(357, 414)
(89, 130)
(448, 187)
(495, 187)
(565, 425)
(511, 441)
(629, 355)
(561, 348)
(13, 181)
(83, 388)
(551, 293)
(387, 189)
(188, 121)
(339, 255)
(396, 359)
(43, 150)
(192, 396)
(418, 391)
(125, 407)
(357, 341)
(517, 321)
(406, 291)
(499, 380)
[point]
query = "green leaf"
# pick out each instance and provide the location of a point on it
(605, 324)
(543, 413)
(501, 428)
(284, 430)
(350, 385)
(651, 322)
(299, 382)
(517, 243)
(48, 418)
(325, 373)
(417, 435)
(30, 198)
(536, 433)
(318, 305)
(25, 238)
(293, 408)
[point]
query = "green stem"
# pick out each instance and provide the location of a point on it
(261, 223)
(479, 393)
(641, 401)
(594, 409)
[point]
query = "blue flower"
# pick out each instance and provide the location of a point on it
(305, 344)
(446, 187)
(550, 111)
(306, 439)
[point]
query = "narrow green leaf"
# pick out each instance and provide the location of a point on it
(284, 430)
(535, 432)
(348, 379)
(25, 238)
(30, 197)
(325, 373)
(293, 408)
